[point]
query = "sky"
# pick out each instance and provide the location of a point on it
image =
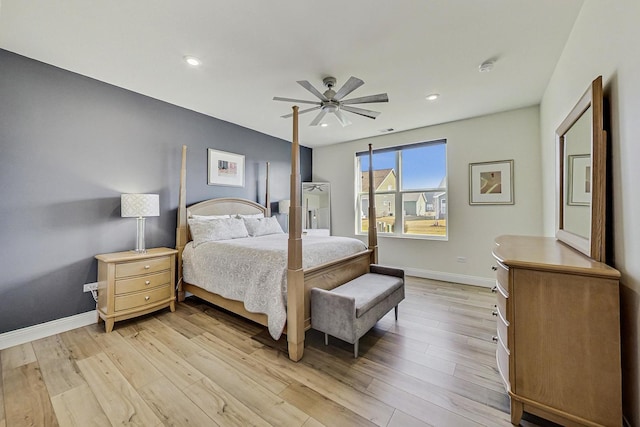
(422, 167)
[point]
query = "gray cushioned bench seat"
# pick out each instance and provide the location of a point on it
(349, 311)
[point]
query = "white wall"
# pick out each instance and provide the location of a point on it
(605, 41)
(472, 229)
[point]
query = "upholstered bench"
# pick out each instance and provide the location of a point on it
(350, 310)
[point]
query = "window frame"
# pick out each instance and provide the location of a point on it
(399, 193)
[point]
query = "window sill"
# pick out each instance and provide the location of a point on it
(408, 236)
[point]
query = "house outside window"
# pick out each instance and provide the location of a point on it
(410, 185)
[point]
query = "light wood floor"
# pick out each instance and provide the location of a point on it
(200, 366)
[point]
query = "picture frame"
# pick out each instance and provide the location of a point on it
(491, 183)
(579, 180)
(225, 168)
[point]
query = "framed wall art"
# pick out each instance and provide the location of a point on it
(491, 183)
(579, 176)
(225, 168)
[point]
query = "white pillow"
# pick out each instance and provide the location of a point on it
(205, 217)
(262, 226)
(258, 215)
(219, 229)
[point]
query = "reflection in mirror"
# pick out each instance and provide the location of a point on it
(581, 175)
(577, 190)
(316, 207)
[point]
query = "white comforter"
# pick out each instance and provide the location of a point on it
(254, 269)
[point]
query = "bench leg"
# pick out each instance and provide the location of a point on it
(326, 339)
(396, 308)
(355, 349)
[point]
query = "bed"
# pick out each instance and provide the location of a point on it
(300, 271)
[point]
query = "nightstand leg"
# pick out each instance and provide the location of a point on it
(108, 325)
(516, 412)
(172, 306)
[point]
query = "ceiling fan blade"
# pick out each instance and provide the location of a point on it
(305, 84)
(352, 84)
(302, 101)
(381, 97)
(367, 113)
(344, 121)
(286, 116)
(318, 118)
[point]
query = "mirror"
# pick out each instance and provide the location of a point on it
(581, 175)
(316, 207)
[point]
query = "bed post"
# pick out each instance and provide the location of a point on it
(295, 274)
(181, 230)
(373, 226)
(267, 202)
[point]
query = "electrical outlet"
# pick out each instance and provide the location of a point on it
(90, 287)
(461, 259)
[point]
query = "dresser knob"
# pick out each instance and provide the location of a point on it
(146, 267)
(146, 298)
(147, 282)
(494, 313)
(494, 289)
(494, 338)
(494, 268)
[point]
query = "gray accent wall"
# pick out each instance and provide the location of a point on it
(69, 147)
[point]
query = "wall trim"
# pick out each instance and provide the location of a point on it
(42, 330)
(450, 277)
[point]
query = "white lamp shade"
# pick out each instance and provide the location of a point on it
(283, 206)
(139, 205)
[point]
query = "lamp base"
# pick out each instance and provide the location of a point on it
(140, 247)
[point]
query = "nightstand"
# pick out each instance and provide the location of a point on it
(131, 284)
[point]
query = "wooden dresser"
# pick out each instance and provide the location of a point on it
(558, 332)
(131, 284)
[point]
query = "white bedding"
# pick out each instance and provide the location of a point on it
(254, 269)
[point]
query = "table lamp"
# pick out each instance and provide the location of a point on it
(140, 206)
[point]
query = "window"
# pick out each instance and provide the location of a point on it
(410, 185)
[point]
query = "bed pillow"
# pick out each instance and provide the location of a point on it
(205, 217)
(216, 229)
(258, 215)
(262, 226)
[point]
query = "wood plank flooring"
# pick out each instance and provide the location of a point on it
(201, 366)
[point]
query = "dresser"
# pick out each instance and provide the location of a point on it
(558, 332)
(131, 284)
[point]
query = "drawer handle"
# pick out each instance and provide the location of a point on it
(494, 338)
(494, 289)
(494, 313)
(147, 282)
(494, 268)
(146, 267)
(147, 298)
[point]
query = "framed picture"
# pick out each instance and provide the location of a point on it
(225, 168)
(491, 183)
(579, 177)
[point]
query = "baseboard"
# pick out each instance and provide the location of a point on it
(35, 332)
(450, 277)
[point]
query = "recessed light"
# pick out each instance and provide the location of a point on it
(192, 60)
(433, 97)
(324, 125)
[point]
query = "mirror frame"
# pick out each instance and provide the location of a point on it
(594, 246)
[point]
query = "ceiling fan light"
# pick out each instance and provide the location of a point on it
(324, 125)
(433, 96)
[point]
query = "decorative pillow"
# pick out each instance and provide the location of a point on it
(262, 226)
(258, 215)
(216, 229)
(210, 216)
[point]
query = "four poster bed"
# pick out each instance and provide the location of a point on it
(326, 263)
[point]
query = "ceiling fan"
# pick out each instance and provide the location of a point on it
(332, 101)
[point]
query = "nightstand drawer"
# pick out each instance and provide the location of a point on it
(140, 299)
(503, 365)
(146, 266)
(143, 282)
(502, 277)
(502, 332)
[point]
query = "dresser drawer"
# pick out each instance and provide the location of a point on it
(502, 331)
(501, 304)
(140, 283)
(502, 279)
(140, 299)
(502, 357)
(146, 266)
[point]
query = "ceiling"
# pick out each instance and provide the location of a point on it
(253, 50)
